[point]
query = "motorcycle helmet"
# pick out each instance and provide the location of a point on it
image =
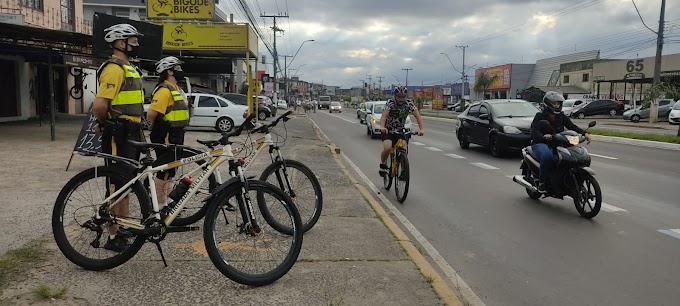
(552, 102)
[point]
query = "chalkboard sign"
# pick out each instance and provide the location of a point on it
(89, 139)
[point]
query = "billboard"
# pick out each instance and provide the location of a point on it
(180, 9)
(502, 74)
(214, 36)
(456, 89)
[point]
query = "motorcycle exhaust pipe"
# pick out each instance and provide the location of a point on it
(521, 181)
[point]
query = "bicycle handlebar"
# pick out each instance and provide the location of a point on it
(266, 127)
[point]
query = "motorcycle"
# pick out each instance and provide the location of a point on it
(571, 174)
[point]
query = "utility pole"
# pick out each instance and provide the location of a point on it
(462, 79)
(285, 76)
(275, 55)
(407, 69)
(370, 79)
(380, 85)
(654, 109)
(363, 86)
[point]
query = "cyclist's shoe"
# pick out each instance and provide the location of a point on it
(542, 188)
(117, 244)
(383, 169)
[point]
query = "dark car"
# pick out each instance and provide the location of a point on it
(501, 125)
(598, 107)
(263, 112)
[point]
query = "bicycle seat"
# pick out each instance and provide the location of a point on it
(146, 145)
(209, 143)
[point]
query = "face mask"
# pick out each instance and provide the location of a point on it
(179, 76)
(135, 52)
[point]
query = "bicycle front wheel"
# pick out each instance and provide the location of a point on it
(387, 178)
(253, 254)
(81, 237)
(305, 189)
(402, 177)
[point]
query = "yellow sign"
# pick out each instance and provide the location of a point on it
(219, 36)
(180, 9)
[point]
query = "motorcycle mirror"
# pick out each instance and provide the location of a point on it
(592, 124)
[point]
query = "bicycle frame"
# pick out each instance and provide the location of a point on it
(401, 144)
(217, 157)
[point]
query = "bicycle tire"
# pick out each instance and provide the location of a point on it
(229, 269)
(308, 219)
(187, 216)
(75, 92)
(387, 179)
(116, 176)
(403, 172)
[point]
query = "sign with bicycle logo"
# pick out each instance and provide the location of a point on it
(217, 36)
(180, 9)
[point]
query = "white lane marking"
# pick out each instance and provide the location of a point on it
(433, 149)
(465, 291)
(484, 166)
(455, 156)
(612, 208)
(417, 143)
(604, 156)
(671, 232)
(343, 118)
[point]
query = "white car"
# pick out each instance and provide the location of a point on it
(569, 104)
(335, 107)
(674, 115)
(207, 110)
(282, 104)
(373, 115)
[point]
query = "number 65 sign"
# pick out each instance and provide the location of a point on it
(635, 65)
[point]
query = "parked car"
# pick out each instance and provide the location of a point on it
(282, 104)
(455, 106)
(642, 112)
(263, 112)
(374, 113)
(208, 110)
(361, 105)
(335, 107)
(266, 101)
(674, 115)
(498, 124)
(569, 105)
(598, 107)
(363, 111)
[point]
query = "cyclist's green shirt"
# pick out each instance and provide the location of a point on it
(398, 112)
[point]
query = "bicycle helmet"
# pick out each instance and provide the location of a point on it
(167, 63)
(400, 90)
(120, 31)
(552, 102)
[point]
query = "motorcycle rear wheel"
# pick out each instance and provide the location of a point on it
(528, 176)
(589, 196)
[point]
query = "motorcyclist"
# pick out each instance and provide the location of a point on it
(541, 137)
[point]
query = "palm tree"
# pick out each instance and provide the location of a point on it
(483, 81)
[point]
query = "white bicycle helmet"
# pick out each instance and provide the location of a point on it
(167, 63)
(120, 31)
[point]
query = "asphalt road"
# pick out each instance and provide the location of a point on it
(512, 250)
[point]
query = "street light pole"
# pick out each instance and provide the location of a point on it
(407, 69)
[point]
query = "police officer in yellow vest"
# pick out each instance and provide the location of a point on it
(168, 114)
(118, 108)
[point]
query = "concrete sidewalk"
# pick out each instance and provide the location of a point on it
(349, 258)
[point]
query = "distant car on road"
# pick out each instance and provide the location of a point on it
(569, 105)
(642, 112)
(335, 107)
(362, 112)
(674, 116)
(374, 113)
(598, 107)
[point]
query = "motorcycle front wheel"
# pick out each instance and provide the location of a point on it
(588, 199)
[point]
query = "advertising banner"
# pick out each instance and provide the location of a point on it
(216, 36)
(502, 74)
(180, 9)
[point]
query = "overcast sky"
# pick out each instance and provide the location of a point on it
(357, 38)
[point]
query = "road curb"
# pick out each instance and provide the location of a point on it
(441, 288)
(637, 142)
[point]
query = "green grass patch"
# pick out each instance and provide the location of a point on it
(650, 137)
(44, 292)
(16, 262)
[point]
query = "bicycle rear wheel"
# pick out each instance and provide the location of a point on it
(80, 236)
(402, 177)
(387, 178)
(235, 247)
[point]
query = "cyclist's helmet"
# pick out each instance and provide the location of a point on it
(120, 31)
(552, 102)
(400, 90)
(167, 63)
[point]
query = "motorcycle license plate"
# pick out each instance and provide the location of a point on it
(573, 140)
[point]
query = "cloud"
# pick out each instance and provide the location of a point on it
(354, 38)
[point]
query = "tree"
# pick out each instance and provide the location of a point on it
(483, 81)
(660, 90)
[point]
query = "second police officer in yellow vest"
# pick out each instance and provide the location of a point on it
(169, 115)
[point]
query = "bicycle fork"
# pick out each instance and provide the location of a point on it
(245, 203)
(287, 188)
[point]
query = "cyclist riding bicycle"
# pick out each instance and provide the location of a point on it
(394, 119)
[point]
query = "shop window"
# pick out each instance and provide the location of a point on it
(34, 4)
(586, 77)
(121, 11)
(566, 79)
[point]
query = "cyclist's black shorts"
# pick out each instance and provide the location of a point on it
(114, 142)
(164, 156)
(390, 136)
